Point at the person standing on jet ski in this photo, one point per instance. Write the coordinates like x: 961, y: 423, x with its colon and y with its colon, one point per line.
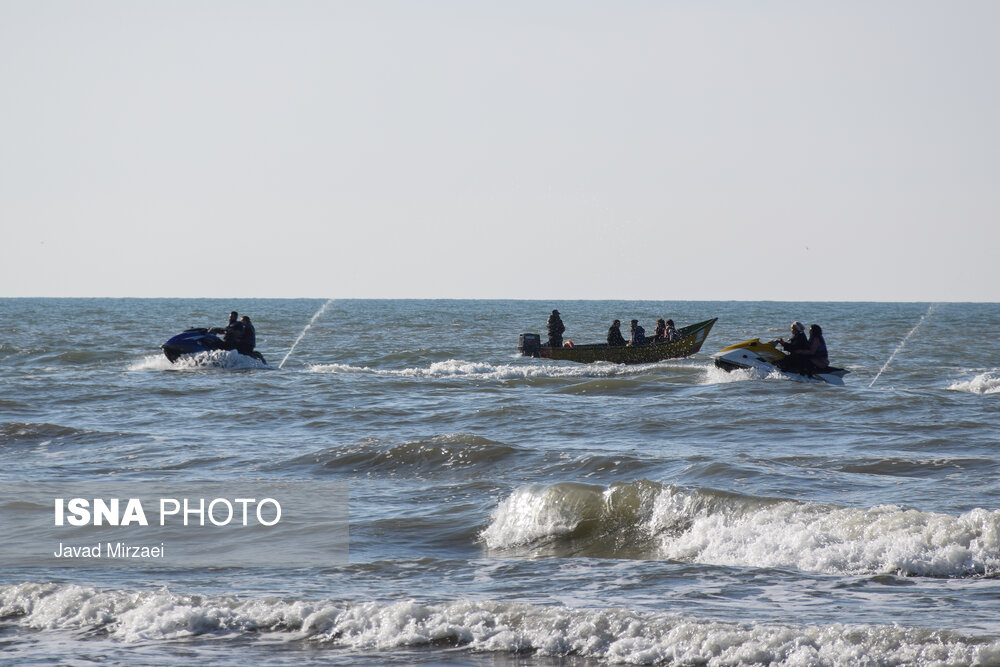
x: 798, y: 351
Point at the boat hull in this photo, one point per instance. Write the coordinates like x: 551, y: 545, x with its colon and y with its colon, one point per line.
x: 692, y: 338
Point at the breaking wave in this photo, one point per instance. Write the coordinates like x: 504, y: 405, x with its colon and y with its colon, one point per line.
x: 984, y: 383
x: 715, y: 528
x: 608, y: 635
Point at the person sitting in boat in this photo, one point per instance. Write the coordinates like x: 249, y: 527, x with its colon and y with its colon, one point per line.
x: 556, y: 329
x: 615, y: 338
x: 797, y: 348
x: 638, y: 334
x: 660, y: 333
x: 817, y: 349
x: 671, y: 333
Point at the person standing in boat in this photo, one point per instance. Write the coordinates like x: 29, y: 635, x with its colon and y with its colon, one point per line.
x: 556, y: 329
x: 638, y: 334
x: 615, y: 338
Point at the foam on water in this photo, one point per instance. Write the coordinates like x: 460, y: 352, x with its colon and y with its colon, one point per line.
x: 723, y: 529
x: 455, y: 368
x: 608, y: 635
x: 716, y: 375
x: 984, y: 383
x: 222, y: 359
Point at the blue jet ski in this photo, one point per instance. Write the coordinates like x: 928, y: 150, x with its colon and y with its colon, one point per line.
x: 194, y: 341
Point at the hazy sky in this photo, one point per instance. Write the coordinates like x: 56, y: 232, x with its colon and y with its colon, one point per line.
x: 665, y: 150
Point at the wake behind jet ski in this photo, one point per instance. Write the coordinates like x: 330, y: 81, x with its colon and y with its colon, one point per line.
x: 238, y: 335
x: 766, y: 358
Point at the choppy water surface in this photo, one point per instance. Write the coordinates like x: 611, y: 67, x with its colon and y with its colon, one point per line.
x: 511, y: 511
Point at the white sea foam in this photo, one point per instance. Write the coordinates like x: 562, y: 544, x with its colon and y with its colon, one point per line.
x: 823, y: 538
x: 716, y: 375
x: 609, y: 635
x: 719, y: 529
x: 984, y: 383
x: 455, y: 368
x: 539, y: 512
x: 223, y: 359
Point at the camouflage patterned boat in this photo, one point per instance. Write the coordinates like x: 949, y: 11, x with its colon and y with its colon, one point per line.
x: 690, y: 342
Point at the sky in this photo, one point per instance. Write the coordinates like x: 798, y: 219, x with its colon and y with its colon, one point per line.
x: 662, y: 150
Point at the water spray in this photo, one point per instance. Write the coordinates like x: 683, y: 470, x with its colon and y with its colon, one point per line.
x: 302, y: 335
x: 901, y: 345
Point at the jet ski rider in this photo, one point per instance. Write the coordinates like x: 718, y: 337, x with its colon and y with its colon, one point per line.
x: 234, y: 334
x: 818, y: 356
x: 798, y: 351
x: 249, y: 341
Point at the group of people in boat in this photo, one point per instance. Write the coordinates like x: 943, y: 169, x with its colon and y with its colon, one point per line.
x: 805, y: 355
x: 665, y: 332
x: 239, y: 335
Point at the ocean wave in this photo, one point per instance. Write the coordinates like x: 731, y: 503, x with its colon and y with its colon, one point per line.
x: 610, y: 635
x: 645, y: 519
x: 34, y: 434
x: 222, y: 359
x: 456, y: 450
x: 455, y: 368
x: 984, y: 383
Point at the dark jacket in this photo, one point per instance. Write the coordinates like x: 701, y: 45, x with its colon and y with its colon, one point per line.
x: 615, y: 338
x: 249, y: 341
x: 638, y: 336
x: 234, y: 336
x: 660, y: 334
x: 817, y: 348
x: 556, y: 329
x: 798, y: 343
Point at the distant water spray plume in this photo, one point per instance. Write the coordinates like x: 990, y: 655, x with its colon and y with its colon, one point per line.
x: 901, y: 345
x: 302, y: 335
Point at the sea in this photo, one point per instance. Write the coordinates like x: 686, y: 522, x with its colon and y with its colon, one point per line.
x: 511, y: 511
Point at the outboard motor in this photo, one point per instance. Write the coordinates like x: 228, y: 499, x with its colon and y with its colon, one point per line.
x: 529, y: 344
